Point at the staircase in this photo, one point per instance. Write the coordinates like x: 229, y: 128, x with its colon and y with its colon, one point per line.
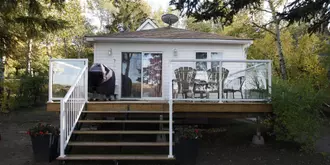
x: 120, y: 135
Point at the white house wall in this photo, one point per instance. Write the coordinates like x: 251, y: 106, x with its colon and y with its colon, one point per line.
x: 184, y: 51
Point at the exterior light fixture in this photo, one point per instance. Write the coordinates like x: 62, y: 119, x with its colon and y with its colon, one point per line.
x: 175, y: 52
x: 110, y: 52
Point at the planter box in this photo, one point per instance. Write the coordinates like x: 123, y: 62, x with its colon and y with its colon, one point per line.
x: 186, y: 151
x: 44, y: 147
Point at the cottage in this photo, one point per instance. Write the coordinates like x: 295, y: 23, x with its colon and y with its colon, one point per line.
x: 167, y: 72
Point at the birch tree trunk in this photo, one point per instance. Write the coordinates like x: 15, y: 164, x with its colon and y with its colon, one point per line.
x: 65, y: 48
x: 49, y: 51
x: 28, y: 57
x: 278, y: 40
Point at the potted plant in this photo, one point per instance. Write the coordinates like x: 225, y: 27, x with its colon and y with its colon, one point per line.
x: 44, y: 139
x: 187, y: 144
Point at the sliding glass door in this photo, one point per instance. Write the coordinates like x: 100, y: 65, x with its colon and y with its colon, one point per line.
x: 141, y: 75
x: 131, y: 75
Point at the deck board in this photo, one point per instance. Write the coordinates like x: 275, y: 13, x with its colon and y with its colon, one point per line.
x: 135, y: 132
x: 115, y: 157
x: 102, y: 144
x: 178, y: 107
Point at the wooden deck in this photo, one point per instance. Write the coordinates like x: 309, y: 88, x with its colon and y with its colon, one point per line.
x: 182, y: 109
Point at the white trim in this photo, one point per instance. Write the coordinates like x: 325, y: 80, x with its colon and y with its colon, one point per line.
x: 161, y: 40
x: 50, y: 82
x: 148, y: 21
x: 190, y: 60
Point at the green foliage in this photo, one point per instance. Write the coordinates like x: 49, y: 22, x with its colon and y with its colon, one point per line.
x: 199, y: 26
x: 315, y: 13
x: 297, y: 110
x: 129, y: 15
x: 30, y: 33
x: 301, y: 52
x: 242, y: 27
x: 24, y: 92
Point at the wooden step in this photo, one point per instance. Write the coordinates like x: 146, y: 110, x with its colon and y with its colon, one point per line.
x: 123, y: 121
x: 114, y: 157
x: 131, y: 111
x: 121, y: 132
x: 97, y: 144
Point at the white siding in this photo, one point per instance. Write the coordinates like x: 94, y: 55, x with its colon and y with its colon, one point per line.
x: 184, y: 51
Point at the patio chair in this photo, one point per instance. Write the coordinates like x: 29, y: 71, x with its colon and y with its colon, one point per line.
x: 240, y: 81
x: 213, y: 79
x: 185, y: 80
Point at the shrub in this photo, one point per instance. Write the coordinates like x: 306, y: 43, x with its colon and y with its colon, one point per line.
x: 297, y: 109
x: 24, y: 92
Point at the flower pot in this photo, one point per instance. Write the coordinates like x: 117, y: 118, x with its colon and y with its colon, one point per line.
x: 186, y: 151
x: 54, y: 149
x: 44, y: 147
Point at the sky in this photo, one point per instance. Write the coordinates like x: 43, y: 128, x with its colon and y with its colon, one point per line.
x: 156, y: 4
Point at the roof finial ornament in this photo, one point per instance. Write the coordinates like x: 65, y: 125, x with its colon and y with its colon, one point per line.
x: 169, y: 19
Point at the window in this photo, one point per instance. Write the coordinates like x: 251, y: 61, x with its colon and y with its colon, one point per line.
x: 201, y: 66
x: 215, y: 56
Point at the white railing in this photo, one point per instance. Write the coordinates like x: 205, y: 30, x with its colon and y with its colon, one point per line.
x: 73, y: 103
x: 62, y: 75
x: 203, y: 80
x: 188, y: 75
x: 170, y: 111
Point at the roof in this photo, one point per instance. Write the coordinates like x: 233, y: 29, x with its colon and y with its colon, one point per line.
x: 147, y: 22
x: 168, y: 34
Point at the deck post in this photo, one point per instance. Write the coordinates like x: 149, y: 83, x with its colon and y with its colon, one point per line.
x: 170, y: 155
x: 269, y: 79
x: 220, y: 81
x: 86, y: 81
x: 62, y: 128
x: 170, y: 111
x: 50, y: 83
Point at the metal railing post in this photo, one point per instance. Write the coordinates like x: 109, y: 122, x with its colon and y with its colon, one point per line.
x: 270, y: 79
x: 220, y: 81
x: 86, y: 82
x: 50, y: 83
x: 62, y: 128
x: 170, y: 102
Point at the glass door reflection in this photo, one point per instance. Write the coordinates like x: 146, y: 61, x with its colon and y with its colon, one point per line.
x: 131, y: 75
x: 152, y: 75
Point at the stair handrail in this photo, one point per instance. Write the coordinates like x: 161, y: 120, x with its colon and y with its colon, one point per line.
x: 71, y: 107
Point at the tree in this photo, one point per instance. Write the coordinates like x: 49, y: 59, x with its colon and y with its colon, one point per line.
x: 276, y: 21
x: 29, y: 15
x: 103, y: 10
x: 243, y: 27
x: 301, y: 51
x: 314, y: 12
x: 203, y: 26
x: 32, y: 31
x: 129, y: 15
x: 157, y: 17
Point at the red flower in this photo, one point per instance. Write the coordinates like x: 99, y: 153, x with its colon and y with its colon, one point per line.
x: 41, y: 133
x: 28, y: 132
x: 196, y: 130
